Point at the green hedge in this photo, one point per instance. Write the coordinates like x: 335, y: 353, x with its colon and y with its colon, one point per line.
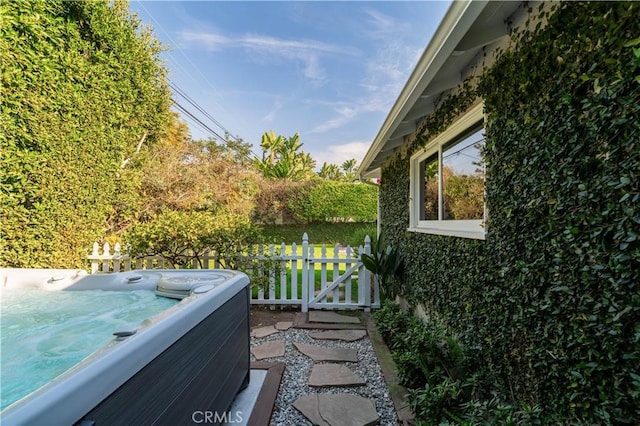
x: 81, y: 85
x: 330, y: 201
x: 315, y: 201
x: 550, y: 301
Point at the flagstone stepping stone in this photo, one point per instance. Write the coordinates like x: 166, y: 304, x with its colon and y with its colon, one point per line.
x: 283, y: 325
x: 323, y: 375
x: 346, y: 335
x: 263, y: 331
x: 320, y: 353
x: 332, y: 317
x: 272, y: 349
x: 341, y: 409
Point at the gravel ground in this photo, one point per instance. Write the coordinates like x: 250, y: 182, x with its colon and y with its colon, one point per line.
x: 298, y: 369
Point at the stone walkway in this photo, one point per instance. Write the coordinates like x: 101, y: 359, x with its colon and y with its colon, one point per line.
x: 327, y: 408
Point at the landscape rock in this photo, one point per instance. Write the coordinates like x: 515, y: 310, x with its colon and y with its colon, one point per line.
x: 323, y: 375
x: 272, y: 349
x: 346, y: 335
x: 341, y: 409
x: 320, y: 353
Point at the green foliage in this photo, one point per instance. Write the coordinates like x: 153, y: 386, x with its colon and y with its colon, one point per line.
x: 184, y: 175
x: 549, y: 302
x: 384, y: 263
x: 351, y: 233
x: 82, y: 85
x: 182, y: 237
x: 330, y: 201
x: 273, y: 199
x: 283, y: 159
x: 430, y: 362
x: 347, y: 172
x: 315, y: 201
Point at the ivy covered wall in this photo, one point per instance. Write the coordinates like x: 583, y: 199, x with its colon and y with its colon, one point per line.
x: 549, y: 303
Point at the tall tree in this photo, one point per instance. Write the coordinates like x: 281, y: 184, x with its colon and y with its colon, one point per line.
x: 350, y: 170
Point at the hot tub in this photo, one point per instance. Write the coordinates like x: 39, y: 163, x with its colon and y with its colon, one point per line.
x: 191, y: 358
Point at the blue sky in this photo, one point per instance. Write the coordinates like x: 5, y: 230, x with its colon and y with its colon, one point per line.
x: 328, y: 70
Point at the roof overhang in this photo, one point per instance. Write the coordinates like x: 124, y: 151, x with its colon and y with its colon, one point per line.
x: 467, y: 27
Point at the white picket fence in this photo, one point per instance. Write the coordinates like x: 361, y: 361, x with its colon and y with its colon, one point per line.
x: 337, y: 281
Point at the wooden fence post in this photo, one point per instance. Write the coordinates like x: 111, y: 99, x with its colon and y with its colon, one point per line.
x: 116, y: 258
x: 294, y: 271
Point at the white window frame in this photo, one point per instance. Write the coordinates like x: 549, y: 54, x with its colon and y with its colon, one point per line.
x: 455, y: 228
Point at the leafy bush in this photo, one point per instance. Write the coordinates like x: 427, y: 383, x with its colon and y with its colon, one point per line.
x: 330, y: 201
x: 182, y: 237
x: 82, y: 84
x: 272, y: 201
x: 352, y: 234
x: 442, y: 378
x: 385, y: 263
x: 549, y: 302
x: 314, y: 201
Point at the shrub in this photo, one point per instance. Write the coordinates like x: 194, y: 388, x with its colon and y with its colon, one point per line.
x: 82, y: 84
x: 315, y: 201
x: 182, y: 237
x: 444, y: 386
x: 329, y: 201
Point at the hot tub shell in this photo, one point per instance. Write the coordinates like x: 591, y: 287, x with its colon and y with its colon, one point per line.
x: 190, y: 359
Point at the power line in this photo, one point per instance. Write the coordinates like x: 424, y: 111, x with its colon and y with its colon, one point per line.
x: 188, y: 98
x: 188, y: 114
x: 197, y: 120
x: 177, y: 46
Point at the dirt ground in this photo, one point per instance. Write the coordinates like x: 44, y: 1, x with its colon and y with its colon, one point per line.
x: 263, y: 315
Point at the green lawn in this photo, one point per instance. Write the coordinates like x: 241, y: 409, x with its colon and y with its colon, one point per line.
x: 317, y: 281
x: 328, y: 234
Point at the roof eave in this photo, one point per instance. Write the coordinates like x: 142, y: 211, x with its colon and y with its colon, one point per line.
x: 459, y: 18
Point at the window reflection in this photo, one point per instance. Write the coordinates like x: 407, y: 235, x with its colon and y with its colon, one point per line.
x: 430, y: 188
x: 463, y: 179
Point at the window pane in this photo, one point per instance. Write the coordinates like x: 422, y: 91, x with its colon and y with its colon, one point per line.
x: 430, y: 188
x: 463, y: 179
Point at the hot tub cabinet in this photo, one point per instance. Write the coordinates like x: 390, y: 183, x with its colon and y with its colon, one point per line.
x: 182, y: 365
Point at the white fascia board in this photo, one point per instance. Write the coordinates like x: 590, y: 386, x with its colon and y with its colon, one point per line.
x: 454, y: 26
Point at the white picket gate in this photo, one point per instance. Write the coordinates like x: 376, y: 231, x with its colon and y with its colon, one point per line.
x: 339, y: 281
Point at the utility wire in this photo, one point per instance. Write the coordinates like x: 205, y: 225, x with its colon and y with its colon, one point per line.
x: 202, y: 125
x: 188, y: 98
x: 182, y: 93
x: 197, y: 120
x: 177, y: 46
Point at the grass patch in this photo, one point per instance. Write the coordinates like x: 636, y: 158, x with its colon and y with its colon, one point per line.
x: 319, y: 234
x: 317, y: 281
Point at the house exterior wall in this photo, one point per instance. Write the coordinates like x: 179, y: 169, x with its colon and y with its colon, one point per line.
x: 549, y: 302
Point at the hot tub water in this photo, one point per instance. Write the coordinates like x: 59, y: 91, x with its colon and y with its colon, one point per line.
x: 44, y: 333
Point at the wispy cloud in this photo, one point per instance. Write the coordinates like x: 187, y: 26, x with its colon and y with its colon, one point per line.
x: 345, y: 115
x: 307, y: 52
x: 380, y: 25
x: 339, y: 153
x: 270, y: 117
x: 385, y: 71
